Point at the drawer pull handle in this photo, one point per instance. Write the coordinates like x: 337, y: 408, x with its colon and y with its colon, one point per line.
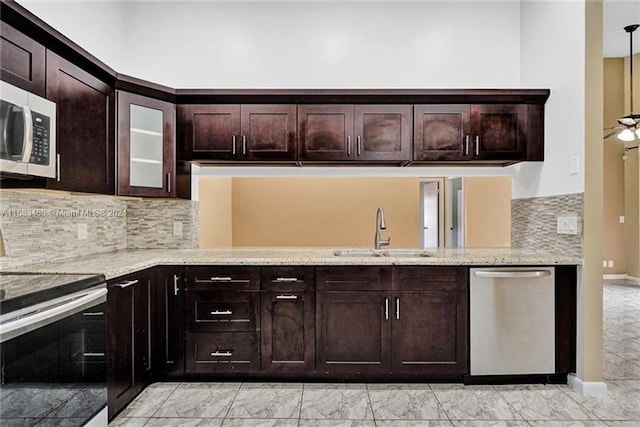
x: 127, y: 284
x: 286, y: 279
x: 221, y: 313
x: 287, y: 297
x: 93, y: 354
x: 221, y: 279
x: 222, y: 353
x: 95, y: 313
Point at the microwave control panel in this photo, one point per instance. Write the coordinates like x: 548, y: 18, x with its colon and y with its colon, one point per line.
x: 41, y: 144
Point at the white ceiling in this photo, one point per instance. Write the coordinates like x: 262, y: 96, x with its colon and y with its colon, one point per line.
x: 617, y: 14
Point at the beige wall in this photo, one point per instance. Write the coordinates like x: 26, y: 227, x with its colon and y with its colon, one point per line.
x: 335, y: 212
x: 632, y: 225
x: 487, y: 211
x: 614, y: 231
x: 215, y: 212
x: 632, y: 228
x: 589, y: 334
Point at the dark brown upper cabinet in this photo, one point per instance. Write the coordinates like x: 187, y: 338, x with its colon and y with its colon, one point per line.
x: 499, y: 132
x: 84, y: 126
x: 238, y: 132
x: 493, y: 132
x: 146, y: 146
x: 375, y: 133
x: 22, y: 60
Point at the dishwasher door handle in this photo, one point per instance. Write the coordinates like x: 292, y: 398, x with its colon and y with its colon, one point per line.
x: 520, y: 274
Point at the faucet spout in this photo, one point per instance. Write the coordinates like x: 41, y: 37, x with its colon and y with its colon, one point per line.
x: 381, y: 224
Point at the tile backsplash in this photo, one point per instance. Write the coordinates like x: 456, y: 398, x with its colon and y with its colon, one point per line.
x: 39, y: 226
x: 534, y: 223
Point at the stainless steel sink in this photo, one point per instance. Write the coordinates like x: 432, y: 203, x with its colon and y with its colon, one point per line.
x: 391, y: 253
x: 358, y: 253
x: 407, y: 253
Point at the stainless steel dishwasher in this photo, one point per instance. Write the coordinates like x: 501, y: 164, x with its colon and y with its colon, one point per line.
x: 512, y: 321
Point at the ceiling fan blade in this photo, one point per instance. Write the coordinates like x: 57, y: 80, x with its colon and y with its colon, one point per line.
x: 610, y: 134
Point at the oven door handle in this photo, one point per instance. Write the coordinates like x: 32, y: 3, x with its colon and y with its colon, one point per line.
x: 30, y: 322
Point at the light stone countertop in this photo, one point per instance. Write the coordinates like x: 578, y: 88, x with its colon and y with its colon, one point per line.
x: 115, y: 264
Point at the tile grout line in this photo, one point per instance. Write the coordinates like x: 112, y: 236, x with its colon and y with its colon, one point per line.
x: 440, y: 404
x: 587, y: 410
x: 164, y: 401
x: 301, y: 400
x: 231, y: 404
x: 373, y: 414
x: 509, y: 404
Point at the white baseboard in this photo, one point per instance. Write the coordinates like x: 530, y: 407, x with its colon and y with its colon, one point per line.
x: 633, y: 279
x: 587, y: 388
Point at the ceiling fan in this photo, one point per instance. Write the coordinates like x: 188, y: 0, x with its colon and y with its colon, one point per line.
x: 628, y: 129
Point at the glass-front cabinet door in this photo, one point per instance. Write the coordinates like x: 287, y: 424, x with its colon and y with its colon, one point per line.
x: 146, y: 146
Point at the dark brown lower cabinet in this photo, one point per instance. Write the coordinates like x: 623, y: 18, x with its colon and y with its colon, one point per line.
x: 129, y: 328
x: 223, y: 352
x: 416, y: 327
x: 169, y: 334
x: 353, y: 332
x: 429, y: 333
x: 287, y: 331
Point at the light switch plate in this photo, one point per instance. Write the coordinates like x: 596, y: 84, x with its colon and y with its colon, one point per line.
x: 574, y: 165
x: 82, y: 231
x: 621, y: 219
x: 177, y: 228
x: 567, y: 225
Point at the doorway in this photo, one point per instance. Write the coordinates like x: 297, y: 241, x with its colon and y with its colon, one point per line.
x: 432, y: 213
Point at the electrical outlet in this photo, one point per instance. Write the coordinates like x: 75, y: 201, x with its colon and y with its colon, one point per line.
x: 604, y: 263
x: 177, y: 228
x: 610, y: 263
x: 567, y: 225
x: 621, y: 219
x: 82, y: 231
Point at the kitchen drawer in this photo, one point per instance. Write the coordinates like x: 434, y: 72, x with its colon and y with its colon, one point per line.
x: 226, y: 278
x: 353, y: 278
x: 223, y: 311
x: 418, y: 278
x: 287, y: 278
x: 223, y: 352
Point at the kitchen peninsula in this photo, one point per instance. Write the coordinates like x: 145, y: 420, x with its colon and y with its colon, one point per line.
x: 306, y: 313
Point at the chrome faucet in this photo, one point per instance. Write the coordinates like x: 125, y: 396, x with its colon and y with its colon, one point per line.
x: 381, y: 224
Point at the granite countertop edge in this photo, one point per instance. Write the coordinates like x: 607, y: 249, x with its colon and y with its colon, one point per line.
x: 121, y: 263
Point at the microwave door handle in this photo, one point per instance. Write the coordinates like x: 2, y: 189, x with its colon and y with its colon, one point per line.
x: 27, y: 142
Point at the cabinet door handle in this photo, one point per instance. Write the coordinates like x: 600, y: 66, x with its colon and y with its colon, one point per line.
x: 127, y: 284
x: 175, y: 284
x: 168, y: 182
x: 93, y: 354
x: 358, y: 145
x: 222, y: 353
x: 286, y: 279
x: 386, y: 309
x: 244, y: 145
x: 397, y: 308
x: 477, y: 145
x: 221, y: 312
x: 233, y: 145
x: 221, y: 279
x: 348, y: 145
x: 94, y: 313
x: 466, y: 145
x: 58, y: 167
x: 287, y: 297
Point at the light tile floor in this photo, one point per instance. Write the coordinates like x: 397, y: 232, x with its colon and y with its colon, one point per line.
x: 429, y: 405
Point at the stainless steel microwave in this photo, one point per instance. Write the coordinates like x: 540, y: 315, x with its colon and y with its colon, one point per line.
x: 27, y: 133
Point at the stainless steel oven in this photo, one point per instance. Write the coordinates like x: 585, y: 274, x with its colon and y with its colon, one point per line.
x: 27, y: 133
x: 52, y: 343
